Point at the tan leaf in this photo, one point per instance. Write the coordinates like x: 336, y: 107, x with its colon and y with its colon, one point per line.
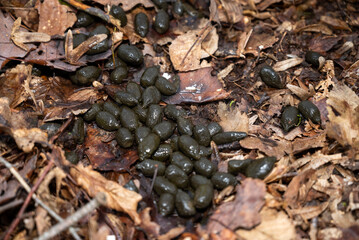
x: 127, y: 5
x: 286, y: 64
x: 344, y: 127
x: 118, y: 197
x: 275, y: 225
x: 232, y: 119
x: 55, y: 17
x: 230, y: 11
x: 26, y: 138
x: 316, y: 28
x: 186, y: 50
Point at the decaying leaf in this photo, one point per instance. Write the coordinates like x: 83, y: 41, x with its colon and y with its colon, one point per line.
x: 127, y: 5
x: 335, y: 23
x: 55, y: 17
x: 230, y: 11
x: 232, y: 119
x: 118, y: 197
x: 320, y: 28
x: 73, y: 55
x: 274, y: 225
x: 345, y: 126
x: 198, y: 86
x: 21, y: 37
x: 258, y: 42
x: 243, y: 211
x: 269, y: 146
x: 26, y: 138
x: 188, y: 49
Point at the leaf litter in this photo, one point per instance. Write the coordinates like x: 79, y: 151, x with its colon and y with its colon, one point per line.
x: 217, y: 57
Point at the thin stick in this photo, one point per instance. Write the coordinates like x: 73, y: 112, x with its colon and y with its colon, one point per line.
x: 11, y: 205
x: 37, y: 200
x: 100, y: 199
x: 27, y: 201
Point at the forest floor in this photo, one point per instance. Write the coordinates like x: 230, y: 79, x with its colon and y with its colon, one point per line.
x: 217, y: 48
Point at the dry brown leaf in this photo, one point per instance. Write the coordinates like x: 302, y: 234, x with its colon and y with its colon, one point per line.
x: 330, y: 233
x: 266, y: 3
x: 303, y: 94
x: 232, y: 119
x: 344, y: 127
x: 274, y: 225
x: 243, y: 211
x: 7, y: 48
x: 320, y: 28
x: 213, y: 12
x: 187, y: 50
x: 286, y: 64
x: 309, y: 212
x: 317, y: 160
x: 20, y: 37
x: 242, y: 42
x: 43, y: 221
x: 259, y: 42
x: 352, y: 71
x: 73, y: 55
x: 335, y: 23
x: 271, y: 147
x: 118, y: 197
x: 26, y: 138
x: 323, y: 44
x: 230, y: 11
x: 55, y: 17
x: 127, y: 5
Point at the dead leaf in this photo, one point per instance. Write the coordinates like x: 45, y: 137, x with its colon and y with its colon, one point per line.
x: 269, y: 146
x: 20, y: 37
x: 303, y: 94
x: 335, y: 23
x: 243, y: 211
x: 323, y: 44
x: 198, y: 86
x: 230, y: 11
x: 232, y: 119
x: 127, y: 5
x: 73, y: 55
x: 55, y: 17
x: 259, y: 42
x: 319, y: 28
x: 242, y: 42
x: 213, y: 12
x: 26, y: 138
x: 118, y: 197
x: 286, y: 64
x: 188, y: 49
x: 7, y: 48
x: 275, y: 225
x: 266, y: 3
x: 344, y: 127
x: 309, y: 212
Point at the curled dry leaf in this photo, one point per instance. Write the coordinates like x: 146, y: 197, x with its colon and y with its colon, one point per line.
x: 266, y: 3
x: 303, y: 94
x: 243, y: 211
x: 271, y: 147
x: 232, y: 119
x: 54, y: 17
x: 21, y: 37
x: 320, y: 28
x: 73, y: 55
x: 286, y: 64
x: 118, y: 197
x: 275, y: 225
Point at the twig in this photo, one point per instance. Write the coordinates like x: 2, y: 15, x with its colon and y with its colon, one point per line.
x: 154, y: 178
x: 10, y: 205
x: 37, y: 200
x: 90, y: 10
x: 27, y: 201
x: 100, y: 199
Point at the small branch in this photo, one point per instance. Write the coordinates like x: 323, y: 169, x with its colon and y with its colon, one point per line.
x: 100, y: 199
x: 10, y: 205
x: 37, y: 200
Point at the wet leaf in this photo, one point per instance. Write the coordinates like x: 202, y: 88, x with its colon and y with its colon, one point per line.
x: 198, y: 86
